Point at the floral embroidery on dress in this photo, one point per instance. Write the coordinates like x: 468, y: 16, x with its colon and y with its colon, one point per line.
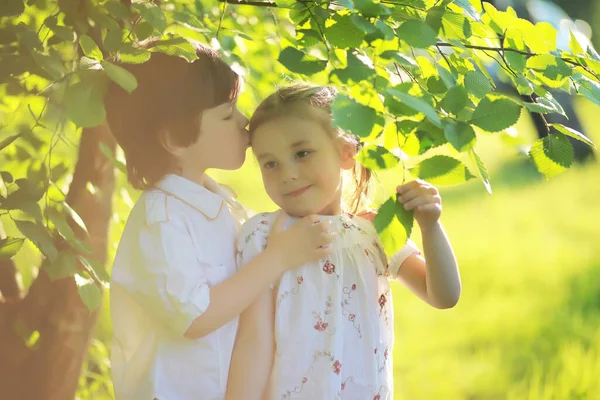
x: 289, y: 292
x: 346, y: 312
x: 329, y: 268
x: 321, y: 325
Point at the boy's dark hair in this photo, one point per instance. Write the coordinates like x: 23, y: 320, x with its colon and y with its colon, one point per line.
x: 169, y: 99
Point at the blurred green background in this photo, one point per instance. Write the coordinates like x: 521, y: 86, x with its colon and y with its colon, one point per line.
x: 528, y: 323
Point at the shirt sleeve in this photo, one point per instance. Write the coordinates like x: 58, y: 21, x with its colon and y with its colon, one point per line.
x: 400, y: 256
x: 252, y: 239
x: 174, y: 286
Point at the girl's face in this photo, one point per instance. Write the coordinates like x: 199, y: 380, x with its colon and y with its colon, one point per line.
x: 221, y: 144
x: 301, y: 165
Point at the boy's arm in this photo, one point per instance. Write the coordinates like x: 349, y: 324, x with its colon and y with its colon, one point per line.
x: 253, y: 351
x: 229, y: 298
x: 301, y: 243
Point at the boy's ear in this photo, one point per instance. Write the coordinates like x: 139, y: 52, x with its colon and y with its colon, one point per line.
x: 167, y: 144
x: 348, y: 153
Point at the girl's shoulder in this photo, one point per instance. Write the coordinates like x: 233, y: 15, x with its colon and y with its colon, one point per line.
x: 258, y: 225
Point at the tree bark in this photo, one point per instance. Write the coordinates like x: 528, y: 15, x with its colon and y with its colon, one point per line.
x: 50, y: 369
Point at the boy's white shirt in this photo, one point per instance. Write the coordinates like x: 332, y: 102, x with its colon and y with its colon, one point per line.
x: 178, y: 242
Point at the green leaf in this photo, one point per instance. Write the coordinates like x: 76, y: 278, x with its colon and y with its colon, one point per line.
x: 371, y: 9
x: 398, y: 57
x: 574, y: 134
x: 417, y: 104
x: 143, y: 30
x: 9, y: 247
x: 95, y: 268
x: 417, y: 33
x: 7, y: 177
x: 352, y: 116
x: 574, y: 45
x: 120, y: 75
x: 176, y: 46
x: 300, y: 62
x: 394, y: 225
x: 434, y: 17
x: 51, y: 64
x: 90, y: 293
x: 356, y: 70
x: 153, y: 15
x: 456, y: 26
x: 469, y: 9
x: 61, y: 224
x: 39, y: 236
x: 117, y: 9
x: 84, y: 104
x: 477, y: 84
x: 550, y: 70
x: 131, y: 55
x: 587, y: 87
x: 344, y: 34
x: 483, y: 173
x: 64, y: 266
x: 435, y: 85
x: 552, y: 154
x: 363, y: 24
x: 63, y: 32
x: 455, y: 100
x: 442, y: 170
x: 460, y: 135
x: 7, y: 142
x: 543, y: 106
x: 11, y: 8
x: 386, y: 31
x: 90, y: 48
x: 377, y: 158
x: 494, y: 114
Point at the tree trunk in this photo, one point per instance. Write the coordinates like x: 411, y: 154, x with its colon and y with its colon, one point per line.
x: 50, y: 369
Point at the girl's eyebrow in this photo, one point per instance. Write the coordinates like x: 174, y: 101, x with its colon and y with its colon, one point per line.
x: 299, y: 143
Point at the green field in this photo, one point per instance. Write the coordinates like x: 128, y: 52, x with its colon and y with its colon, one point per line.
x: 528, y: 323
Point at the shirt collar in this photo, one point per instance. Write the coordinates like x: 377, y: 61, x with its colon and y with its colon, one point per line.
x: 207, y: 199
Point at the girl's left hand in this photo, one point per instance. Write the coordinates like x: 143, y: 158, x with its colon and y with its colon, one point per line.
x: 424, y: 199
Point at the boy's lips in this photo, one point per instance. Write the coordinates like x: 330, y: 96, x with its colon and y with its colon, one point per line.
x: 299, y: 191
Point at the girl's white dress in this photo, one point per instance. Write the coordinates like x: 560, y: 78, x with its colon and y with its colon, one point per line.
x: 334, y: 324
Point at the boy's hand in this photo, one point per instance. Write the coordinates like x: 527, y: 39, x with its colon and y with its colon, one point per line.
x: 424, y: 199
x: 305, y: 241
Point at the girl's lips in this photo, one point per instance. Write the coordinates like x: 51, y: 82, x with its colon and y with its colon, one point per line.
x: 299, y: 192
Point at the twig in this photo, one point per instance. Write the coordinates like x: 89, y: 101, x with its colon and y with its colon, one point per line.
x: 250, y: 3
x: 221, y: 19
x: 320, y: 30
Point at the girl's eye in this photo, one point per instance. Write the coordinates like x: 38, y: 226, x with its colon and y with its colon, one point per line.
x: 227, y: 118
x: 303, y: 153
x: 270, y: 165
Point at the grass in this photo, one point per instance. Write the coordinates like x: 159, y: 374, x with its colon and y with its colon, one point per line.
x: 528, y: 323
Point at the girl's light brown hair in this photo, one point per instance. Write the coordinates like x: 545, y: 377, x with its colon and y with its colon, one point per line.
x: 314, y: 102
x: 169, y: 99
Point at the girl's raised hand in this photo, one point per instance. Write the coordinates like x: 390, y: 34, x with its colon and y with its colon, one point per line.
x: 424, y: 199
x: 305, y: 241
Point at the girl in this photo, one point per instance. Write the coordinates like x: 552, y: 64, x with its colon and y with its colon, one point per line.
x: 175, y: 293
x: 326, y: 331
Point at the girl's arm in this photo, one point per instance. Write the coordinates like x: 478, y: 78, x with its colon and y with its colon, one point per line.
x: 435, y: 278
x: 253, y: 351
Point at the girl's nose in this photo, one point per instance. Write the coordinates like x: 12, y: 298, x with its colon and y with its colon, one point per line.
x: 289, y: 172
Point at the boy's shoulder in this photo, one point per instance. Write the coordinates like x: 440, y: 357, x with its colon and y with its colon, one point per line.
x: 160, y: 207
